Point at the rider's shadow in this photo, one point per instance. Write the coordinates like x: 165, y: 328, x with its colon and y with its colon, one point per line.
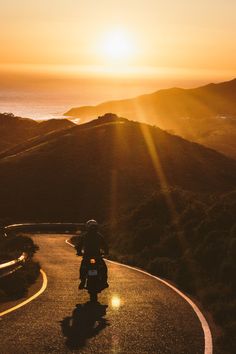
x: 87, y: 321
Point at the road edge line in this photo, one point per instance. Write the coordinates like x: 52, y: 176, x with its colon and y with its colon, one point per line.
x: 69, y: 243
x: 205, y: 327
x: 31, y: 298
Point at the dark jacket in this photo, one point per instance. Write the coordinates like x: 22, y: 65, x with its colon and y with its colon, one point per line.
x: 91, y: 242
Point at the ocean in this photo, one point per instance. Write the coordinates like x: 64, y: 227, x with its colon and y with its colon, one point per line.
x: 38, y: 109
x: 41, y: 106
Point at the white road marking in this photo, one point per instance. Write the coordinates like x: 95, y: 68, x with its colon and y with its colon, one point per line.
x: 43, y: 288
x: 206, y: 329
x: 69, y: 243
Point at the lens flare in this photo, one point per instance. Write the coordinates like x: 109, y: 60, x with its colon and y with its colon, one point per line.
x: 115, y: 302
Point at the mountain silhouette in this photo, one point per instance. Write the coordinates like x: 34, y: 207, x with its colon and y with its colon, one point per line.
x: 103, y: 168
x: 206, y: 114
x: 15, y: 130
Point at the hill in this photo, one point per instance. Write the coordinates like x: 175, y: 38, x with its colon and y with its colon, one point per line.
x: 167, y: 204
x: 15, y: 130
x: 195, y: 248
x: 206, y: 115
x: 103, y: 168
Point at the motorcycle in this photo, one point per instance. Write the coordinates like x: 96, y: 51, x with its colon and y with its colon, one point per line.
x: 94, y: 277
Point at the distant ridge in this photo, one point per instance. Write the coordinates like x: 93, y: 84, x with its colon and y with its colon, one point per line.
x: 205, y: 114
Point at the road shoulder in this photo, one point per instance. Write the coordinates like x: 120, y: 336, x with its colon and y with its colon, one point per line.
x: 32, y: 290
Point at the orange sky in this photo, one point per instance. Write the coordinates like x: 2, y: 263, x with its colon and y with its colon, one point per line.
x: 123, y: 37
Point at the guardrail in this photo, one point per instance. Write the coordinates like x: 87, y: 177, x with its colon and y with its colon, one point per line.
x: 32, y: 227
x: 11, y: 266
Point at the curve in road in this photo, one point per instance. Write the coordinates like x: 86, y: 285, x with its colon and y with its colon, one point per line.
x: 136, y: 314
x: 205, y: 327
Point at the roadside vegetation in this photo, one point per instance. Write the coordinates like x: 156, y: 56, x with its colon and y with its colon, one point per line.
x: 189, y: 239
x: 16, y: 284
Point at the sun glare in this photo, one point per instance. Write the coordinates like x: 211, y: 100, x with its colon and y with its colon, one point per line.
x: 117, y: 46
x: 115, y: 302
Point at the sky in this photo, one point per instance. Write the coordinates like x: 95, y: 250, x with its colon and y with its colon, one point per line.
x: 183, y: 34
x: 93, y: 51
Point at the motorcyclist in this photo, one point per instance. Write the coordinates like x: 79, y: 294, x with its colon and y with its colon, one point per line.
x: 91, y: 242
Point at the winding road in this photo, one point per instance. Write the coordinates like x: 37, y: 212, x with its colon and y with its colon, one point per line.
x: 137, y: 314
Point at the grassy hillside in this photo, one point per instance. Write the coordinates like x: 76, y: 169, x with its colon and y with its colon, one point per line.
x: 191, y: 241
x: 206, y: 114
x: 105, y: 167
x: 15, y: 130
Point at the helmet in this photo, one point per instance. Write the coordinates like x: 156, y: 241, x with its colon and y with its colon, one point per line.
x: 91, y: 225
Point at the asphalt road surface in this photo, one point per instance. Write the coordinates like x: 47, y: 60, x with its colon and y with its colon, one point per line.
x: 137, y: 314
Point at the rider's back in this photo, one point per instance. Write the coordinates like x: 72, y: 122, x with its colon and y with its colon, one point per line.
x: 92, y: 242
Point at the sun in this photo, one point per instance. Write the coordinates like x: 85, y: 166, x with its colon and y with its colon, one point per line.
x: 117, y: 46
